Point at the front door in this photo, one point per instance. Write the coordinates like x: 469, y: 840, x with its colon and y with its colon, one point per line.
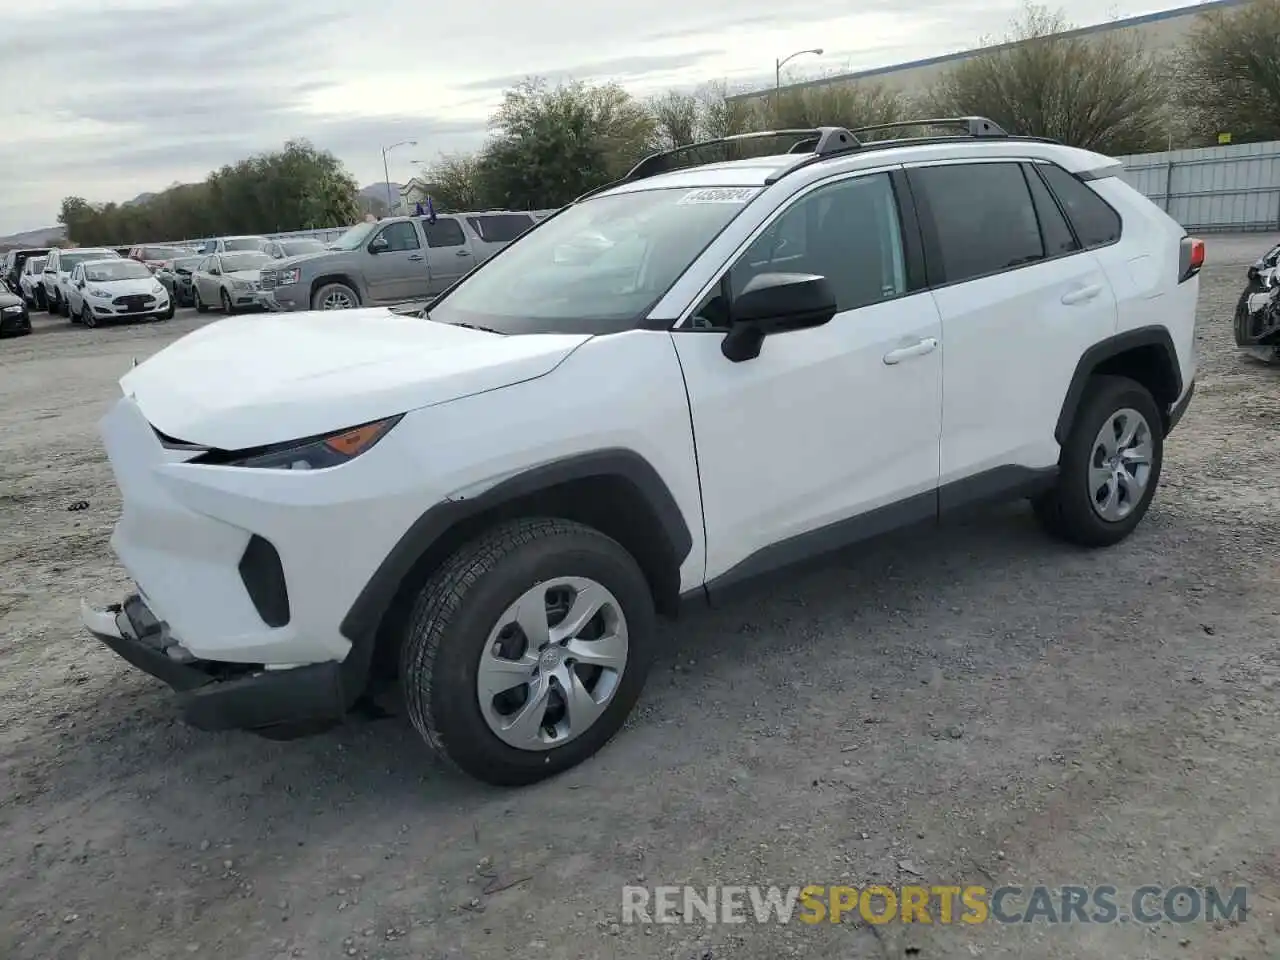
x: 800, y: 446
x: 395, y: 269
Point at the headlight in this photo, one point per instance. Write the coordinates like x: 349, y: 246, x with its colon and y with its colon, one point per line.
x: 157, y: 287
x: 313, y: 453
x: 241, y: 284
x: 289, y: 275
x: 16, y: 308
x: 101, y: 294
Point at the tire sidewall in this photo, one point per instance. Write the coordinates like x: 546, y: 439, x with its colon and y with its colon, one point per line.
x: 454, y: 706
x: 317, y: 302
x: 1111, y: 395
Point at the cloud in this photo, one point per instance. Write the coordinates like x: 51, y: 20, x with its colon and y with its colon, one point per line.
x: 113, y: 98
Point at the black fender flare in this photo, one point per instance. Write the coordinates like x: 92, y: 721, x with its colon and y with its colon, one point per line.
x: 1102, y: 351
x: 360, y: 625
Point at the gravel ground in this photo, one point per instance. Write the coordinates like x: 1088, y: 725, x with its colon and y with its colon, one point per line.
x: 972, y: 704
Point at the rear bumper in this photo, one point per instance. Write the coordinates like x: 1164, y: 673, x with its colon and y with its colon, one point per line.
x: 219, y: 696
x: 1180, y: 407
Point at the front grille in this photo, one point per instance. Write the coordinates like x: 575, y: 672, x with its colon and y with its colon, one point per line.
x: 134, y: 301
x: 269, y: 281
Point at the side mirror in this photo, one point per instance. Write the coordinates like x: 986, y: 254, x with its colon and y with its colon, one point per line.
x: 379, y: 245
x: 776, y: 303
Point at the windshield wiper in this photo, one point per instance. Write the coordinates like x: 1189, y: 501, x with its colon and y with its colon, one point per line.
x: 469, y: 326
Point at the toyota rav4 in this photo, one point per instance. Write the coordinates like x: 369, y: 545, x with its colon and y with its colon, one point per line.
x: 685, y: 380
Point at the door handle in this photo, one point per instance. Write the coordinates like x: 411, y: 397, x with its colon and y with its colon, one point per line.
x: 415, y: 256
x: 463, y: 253
x: 1082, y: 294
x: 918, y: 349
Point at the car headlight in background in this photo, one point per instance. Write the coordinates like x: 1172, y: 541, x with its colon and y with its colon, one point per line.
x: 157, y: 287
x: 100, y: 294
x: 288, y: 275
x: 15, y: 309
x: 312, y: 453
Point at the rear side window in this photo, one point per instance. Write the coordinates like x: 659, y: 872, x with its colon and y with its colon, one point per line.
x: 445, y: 232
x: 1053, y: 226
x: 500, y: 228
x: 1096, y: 223
x: 983, y: 216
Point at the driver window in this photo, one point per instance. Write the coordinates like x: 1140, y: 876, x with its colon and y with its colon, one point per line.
x: 847, y: 232
x: 400, y: 236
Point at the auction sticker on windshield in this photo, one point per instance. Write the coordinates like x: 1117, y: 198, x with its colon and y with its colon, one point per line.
x: 720, y: 195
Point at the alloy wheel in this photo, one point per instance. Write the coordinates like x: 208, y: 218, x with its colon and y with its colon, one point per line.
x: 1120, y: 464
x: 552, y: 663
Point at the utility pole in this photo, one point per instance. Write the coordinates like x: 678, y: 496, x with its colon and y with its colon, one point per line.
x: 777, y: 70
x: 386, y: 171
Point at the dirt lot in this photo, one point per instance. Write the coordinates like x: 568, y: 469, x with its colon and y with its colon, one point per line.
x: 974, y: 704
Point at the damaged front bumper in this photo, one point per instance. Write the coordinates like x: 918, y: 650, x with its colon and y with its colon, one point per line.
x: 275, y: 702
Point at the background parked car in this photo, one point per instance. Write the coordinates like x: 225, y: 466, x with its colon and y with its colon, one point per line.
x: 13, y: 264
x: 230, y: 244
x: 117, y: 288
x: 57, y: 272
x: 29, y: 286
x: 175, y: 277
x: 230, y: 281
x: 393, y: 260
x: 294, y: 247
x: 153, y: 256
x: 122, y: 251
x: 14, y: 318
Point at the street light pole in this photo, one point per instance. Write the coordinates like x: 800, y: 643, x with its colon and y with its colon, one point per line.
x: 386, y: 171
x: 779, y: 64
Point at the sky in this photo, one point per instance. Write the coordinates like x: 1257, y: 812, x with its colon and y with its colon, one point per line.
x: 112, y: 98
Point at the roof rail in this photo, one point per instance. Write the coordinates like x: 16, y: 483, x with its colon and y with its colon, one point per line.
x: 819, y: 141
x: 973, y: 126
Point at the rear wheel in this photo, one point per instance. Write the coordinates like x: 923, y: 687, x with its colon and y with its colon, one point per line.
x: 1109, y: 467
x: 527, y: 649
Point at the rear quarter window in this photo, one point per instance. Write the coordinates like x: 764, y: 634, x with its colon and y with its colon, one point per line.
x: 500, y: 228
x: 1096, y: 224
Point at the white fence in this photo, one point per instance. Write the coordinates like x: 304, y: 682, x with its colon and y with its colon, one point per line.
x: 1213, y: 189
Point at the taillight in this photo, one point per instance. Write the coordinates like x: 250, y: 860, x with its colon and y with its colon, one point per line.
x: 1190, y: 258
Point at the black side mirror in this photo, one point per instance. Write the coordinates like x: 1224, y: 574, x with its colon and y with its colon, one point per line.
x: 379, y: 245
x: 776, y: 303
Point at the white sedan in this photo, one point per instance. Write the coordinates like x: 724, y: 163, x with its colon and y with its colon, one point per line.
x: 117, y: 289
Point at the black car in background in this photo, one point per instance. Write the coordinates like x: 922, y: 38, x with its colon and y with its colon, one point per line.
x: 13, y: 263
x: 14, y: 318
x: 175, y: 276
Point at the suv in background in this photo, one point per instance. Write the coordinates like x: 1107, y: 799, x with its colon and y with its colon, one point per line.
x: 30, y: 289
x: 230, y: 244
x: 14, y: 260
x: 280, y: 248
x: 490, y: 502
x: 393, y: 260
x: 57, y: 273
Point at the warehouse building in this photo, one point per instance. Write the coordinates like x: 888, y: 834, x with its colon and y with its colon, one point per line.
x: 1159, y: 32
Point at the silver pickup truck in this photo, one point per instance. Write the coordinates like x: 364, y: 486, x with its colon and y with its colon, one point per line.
x: 394, y: 260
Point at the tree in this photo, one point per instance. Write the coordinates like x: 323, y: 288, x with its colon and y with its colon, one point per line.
x: 836, y: 105
x: 1104, y: 91
x: 1230, y: 74
x: 677, y: 118
x: 551, y: 145
x: 456, y: 180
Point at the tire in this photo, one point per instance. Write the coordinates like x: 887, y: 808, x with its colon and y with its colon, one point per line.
x: 227, y: 306
x: 87, y: 317
x: 1068, y: 511
x: 453, y: 627
x: 335, y: 293
x: 197, y: 302
x: 55, y: 304
x: 1242, y: 319
x: 168, y: 314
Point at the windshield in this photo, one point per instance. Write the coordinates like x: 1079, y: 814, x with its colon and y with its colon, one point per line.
x: 354, y: 237
x: 598, y: 267
x: 231, y: 262
x: 115, y: 270
x: 243, y: 243
x: 67, y: 261
x: 186, y: 263
x: 292, y: 248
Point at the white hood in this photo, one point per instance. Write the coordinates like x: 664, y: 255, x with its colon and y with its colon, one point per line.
x: 248, y: 381
x: 124, y: 288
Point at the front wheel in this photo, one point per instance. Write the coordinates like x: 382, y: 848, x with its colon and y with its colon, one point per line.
x: 87, y: 317
x: 227, y: 307
x: 527, y: 650
x: 335, y: 296
x: 1110, y: 465
x: 197, y: 302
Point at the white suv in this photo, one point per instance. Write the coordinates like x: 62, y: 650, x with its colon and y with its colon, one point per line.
x: 752, y: 363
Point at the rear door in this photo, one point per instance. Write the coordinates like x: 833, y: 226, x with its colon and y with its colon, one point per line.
x: 1020, y: 301
x: 450, y: 251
